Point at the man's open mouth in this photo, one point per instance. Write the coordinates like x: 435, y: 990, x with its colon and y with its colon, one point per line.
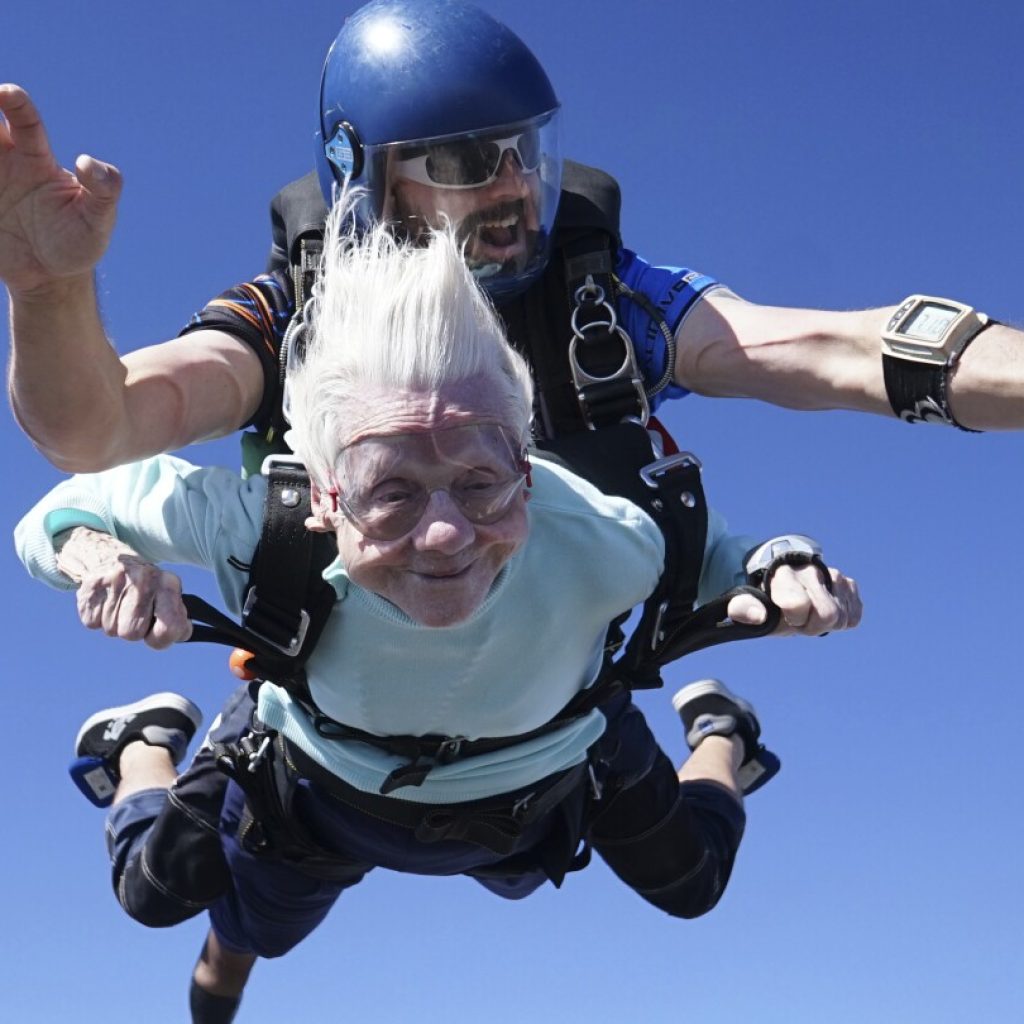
x: 495, y: 234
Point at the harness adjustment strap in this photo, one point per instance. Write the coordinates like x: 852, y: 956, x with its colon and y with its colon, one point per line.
x: 283, y: 621
x: 411, y: 774
x: 305, y: 267
x: 602, y: 360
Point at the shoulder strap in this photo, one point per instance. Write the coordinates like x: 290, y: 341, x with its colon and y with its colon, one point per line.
x: 566, y: 325
x: 287, y: 602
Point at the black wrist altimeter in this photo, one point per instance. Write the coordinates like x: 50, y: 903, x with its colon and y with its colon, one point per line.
x: 920, y: 346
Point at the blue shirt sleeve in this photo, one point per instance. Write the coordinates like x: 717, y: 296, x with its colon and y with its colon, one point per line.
x: 673, y: 291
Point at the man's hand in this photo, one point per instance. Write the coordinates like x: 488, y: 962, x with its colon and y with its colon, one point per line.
x: 121, y: 593
x: 808, y: 607
x: 54, y: 224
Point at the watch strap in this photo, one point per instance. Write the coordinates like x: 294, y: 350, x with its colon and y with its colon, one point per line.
x: 919, y: 392
x: 796, y: 559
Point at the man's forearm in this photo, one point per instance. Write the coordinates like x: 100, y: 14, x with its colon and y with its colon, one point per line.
x: 88, y: 410
x: 986, y: 390
x: 66, y: 383
x: 813, y: 359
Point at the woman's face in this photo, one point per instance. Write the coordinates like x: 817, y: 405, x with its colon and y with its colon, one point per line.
x: 442, y: 463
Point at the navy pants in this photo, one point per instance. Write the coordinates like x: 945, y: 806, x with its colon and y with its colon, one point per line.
x: 177, y: 852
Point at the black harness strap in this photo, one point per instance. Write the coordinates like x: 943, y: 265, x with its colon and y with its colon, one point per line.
x: 267, y: 768
x: 288, y: 602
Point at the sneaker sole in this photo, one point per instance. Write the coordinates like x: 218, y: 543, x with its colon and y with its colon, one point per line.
x: 707, y: 686
x: 157, y: 700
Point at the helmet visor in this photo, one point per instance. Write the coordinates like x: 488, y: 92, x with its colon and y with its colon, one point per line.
x: 499, y: 188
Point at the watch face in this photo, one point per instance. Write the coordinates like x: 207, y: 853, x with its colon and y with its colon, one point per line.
x: 929, y: 322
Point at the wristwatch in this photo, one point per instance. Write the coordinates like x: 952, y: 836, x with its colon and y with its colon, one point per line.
x: 921, y: 344
x: 762, y: 562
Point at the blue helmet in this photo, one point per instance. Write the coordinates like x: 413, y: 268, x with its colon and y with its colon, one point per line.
x: 439, y: 112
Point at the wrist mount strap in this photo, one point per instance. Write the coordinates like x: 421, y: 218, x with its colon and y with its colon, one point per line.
x: 919, y: 392
x: 762, y: 578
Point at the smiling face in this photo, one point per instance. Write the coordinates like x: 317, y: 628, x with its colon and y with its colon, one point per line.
x: 439, y: 572
x: 498, y: 221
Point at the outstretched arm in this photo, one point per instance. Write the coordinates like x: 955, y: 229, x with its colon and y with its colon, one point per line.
x: 814, y: 359
x: 160, y: 510
x: 82, y: 406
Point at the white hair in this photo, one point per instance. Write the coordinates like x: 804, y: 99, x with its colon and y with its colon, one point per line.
x: 393, y: 315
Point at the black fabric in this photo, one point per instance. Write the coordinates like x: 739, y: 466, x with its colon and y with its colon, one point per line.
x: 206, y: 1008
x: 919, y: 392
x: 180, y: 870
x: 285, y: 580
x: 271, y: 830
x: 287, y: 602
x: 296, y: 212
x: 679, y: 859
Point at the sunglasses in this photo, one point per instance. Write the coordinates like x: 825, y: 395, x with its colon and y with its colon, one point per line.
x: 470, y: 163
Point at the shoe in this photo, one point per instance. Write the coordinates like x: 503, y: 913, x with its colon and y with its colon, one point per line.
x: 162, y: 720
x: 707, y: 708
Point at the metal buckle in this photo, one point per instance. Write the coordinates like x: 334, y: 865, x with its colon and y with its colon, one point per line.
x: 448, y: 750
x: 294, y: 645
x: 592, y: 294
x: 653, y: 472
x: 280, y: 459
x: 657, y: 636
x: 289, y: 496
x: 521, y: 806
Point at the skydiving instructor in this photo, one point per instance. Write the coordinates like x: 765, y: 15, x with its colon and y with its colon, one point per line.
x: 415, y: 109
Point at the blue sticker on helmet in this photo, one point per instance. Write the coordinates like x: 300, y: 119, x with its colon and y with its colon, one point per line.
x: 341, y: 151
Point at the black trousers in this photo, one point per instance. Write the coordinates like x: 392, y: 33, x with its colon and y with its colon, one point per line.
x: 673, y: 843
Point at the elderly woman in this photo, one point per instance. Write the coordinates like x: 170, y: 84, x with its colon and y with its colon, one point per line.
x: 473, y: 597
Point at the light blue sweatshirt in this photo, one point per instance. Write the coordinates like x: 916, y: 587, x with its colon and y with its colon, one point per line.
x: 534, y: 643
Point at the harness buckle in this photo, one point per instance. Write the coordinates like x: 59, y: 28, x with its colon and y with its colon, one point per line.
x: 654, y: 472
x: 292, y: 646
x: 592, y: 296
x: 258, y: 755
x: 305, y: 269
x: 448, y: 750
x: 657, y: 633
x: 521, y: 806
x: 289, y: 493
x: 280, y: 459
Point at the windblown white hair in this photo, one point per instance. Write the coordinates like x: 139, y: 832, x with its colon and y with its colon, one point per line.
x: 392, y: 315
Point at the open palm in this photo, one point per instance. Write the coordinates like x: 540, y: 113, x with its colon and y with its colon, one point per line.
x: 53, y: 223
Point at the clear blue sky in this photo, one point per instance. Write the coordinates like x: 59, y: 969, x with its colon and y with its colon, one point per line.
x: 839, y: 156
